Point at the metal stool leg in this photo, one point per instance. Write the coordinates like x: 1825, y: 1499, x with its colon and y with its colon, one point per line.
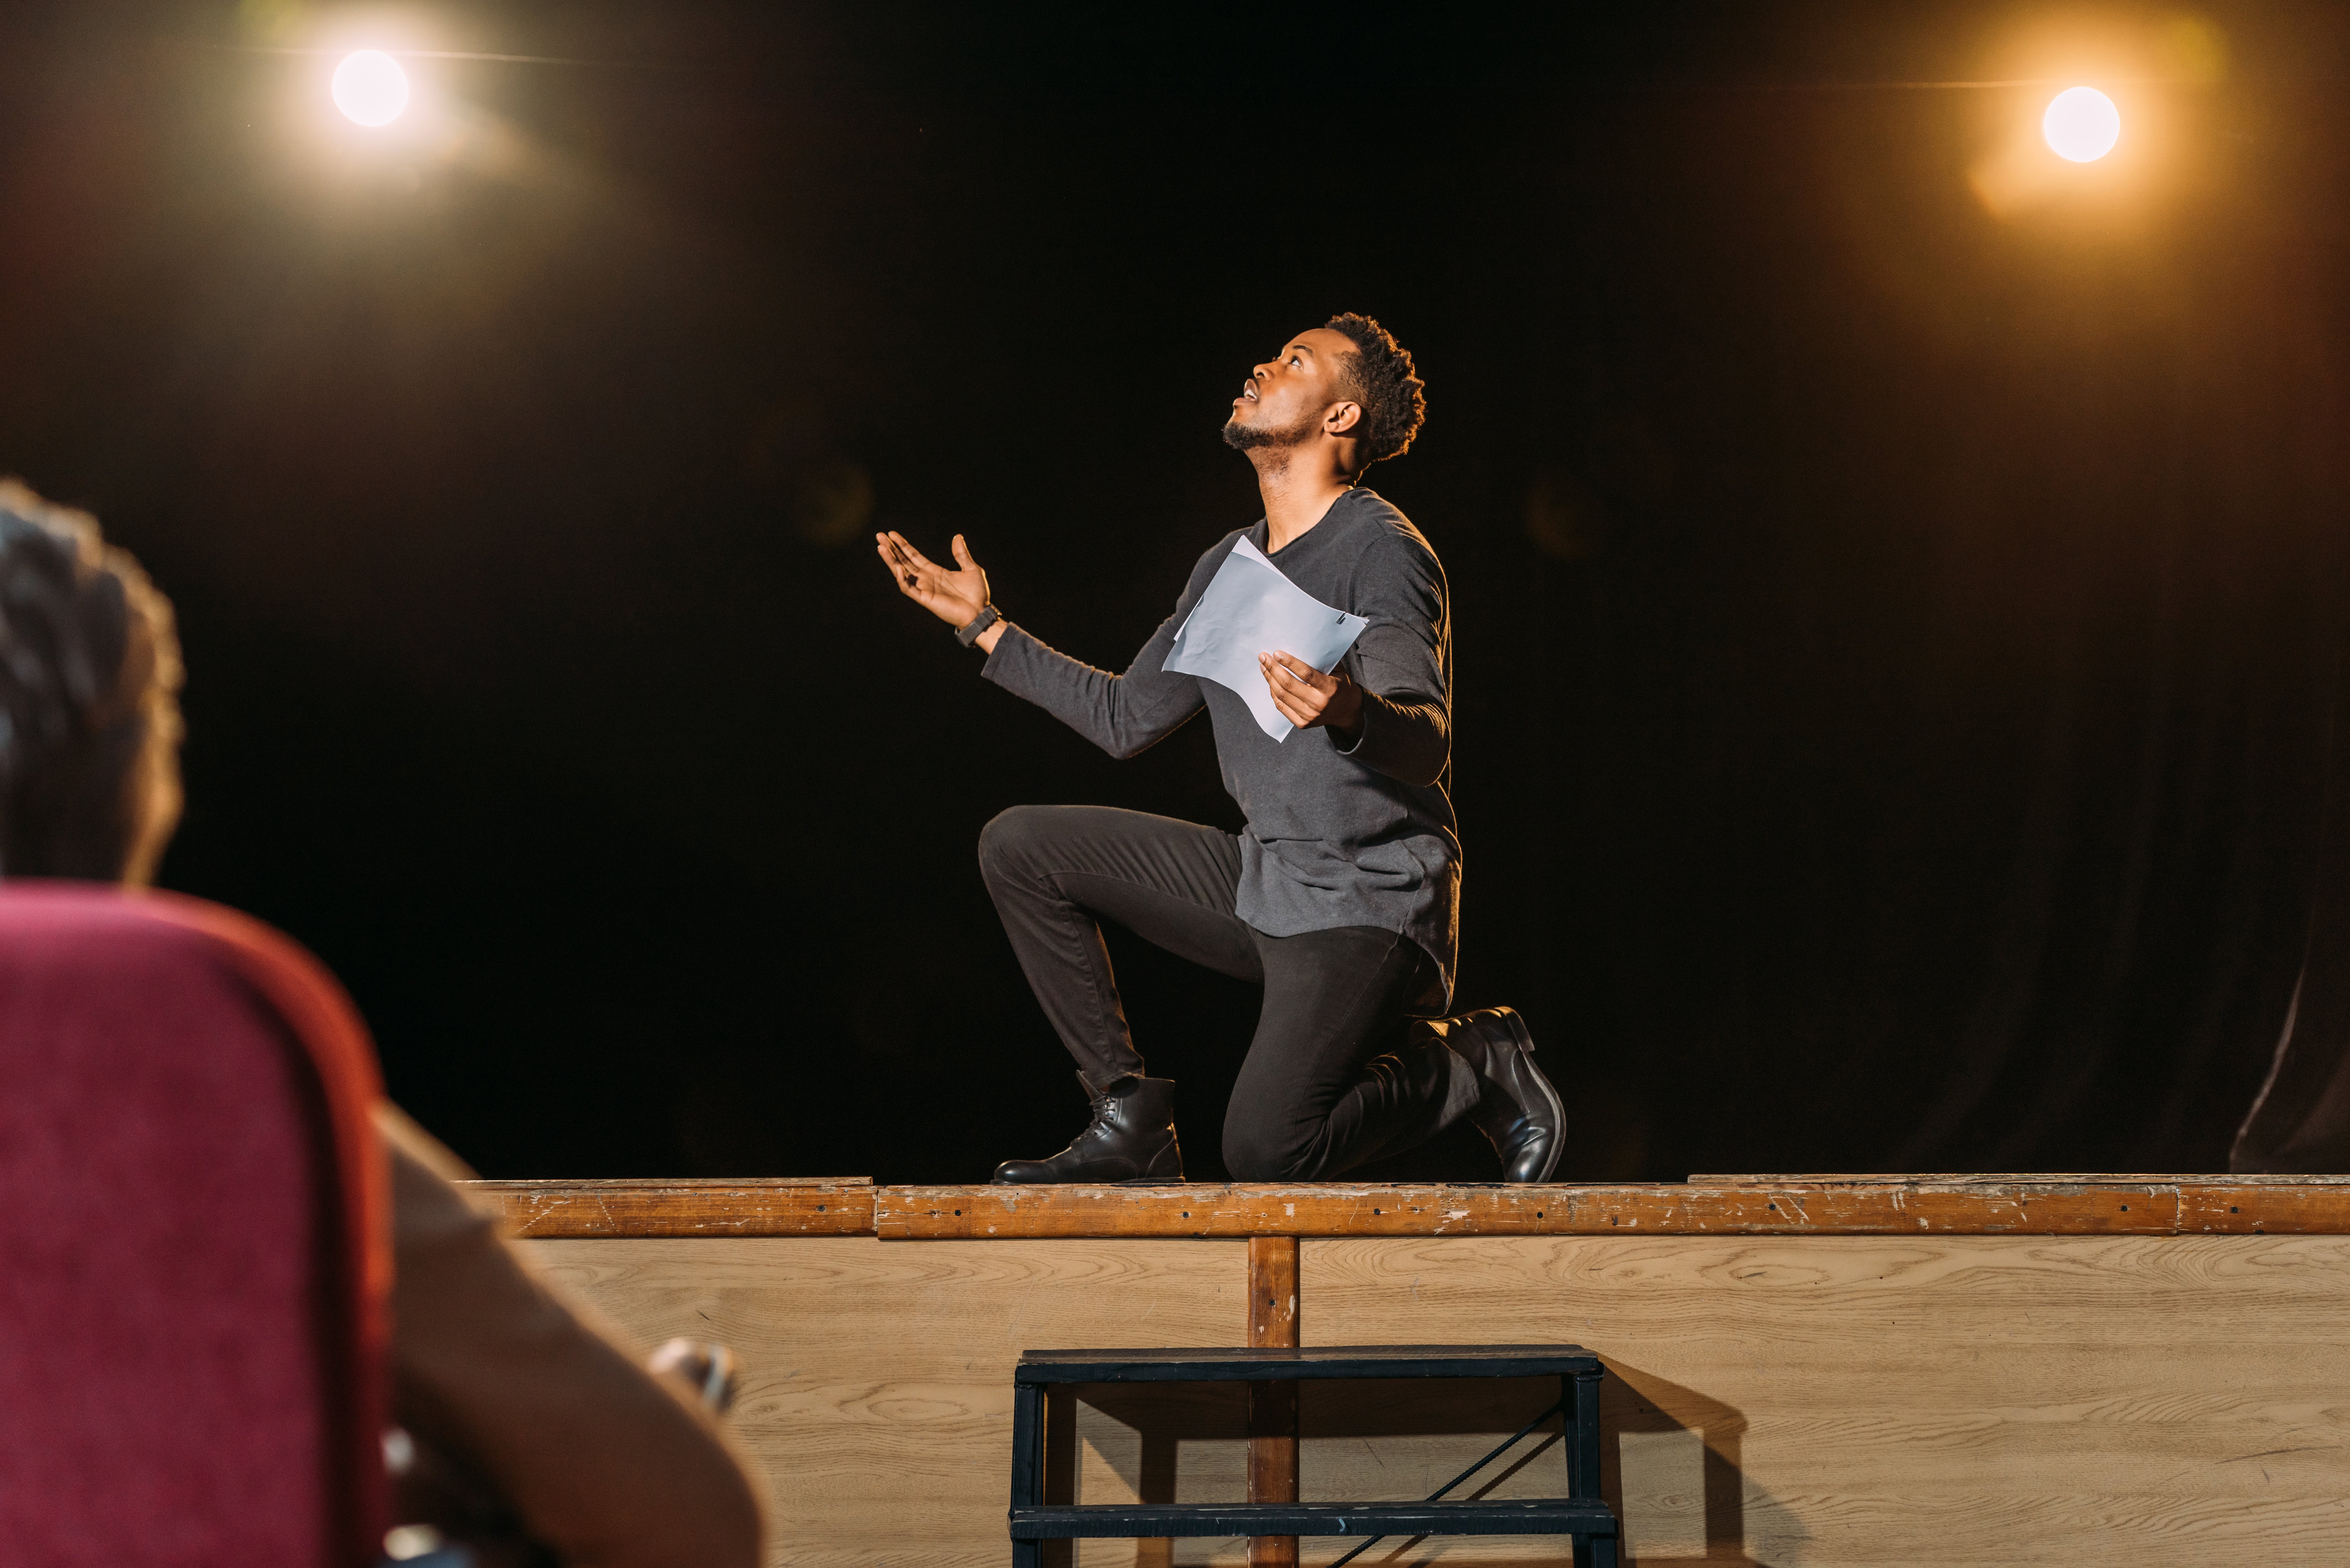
x: 1580, y: 1395
x: 1027, y: 1465
x: 1582, y: 1459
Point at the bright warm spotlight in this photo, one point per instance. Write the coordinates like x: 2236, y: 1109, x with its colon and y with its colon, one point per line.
x: 2082, y: 124
x: 371, y: 88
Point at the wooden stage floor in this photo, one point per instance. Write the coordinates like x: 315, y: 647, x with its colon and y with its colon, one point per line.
x: 1823, y: 1370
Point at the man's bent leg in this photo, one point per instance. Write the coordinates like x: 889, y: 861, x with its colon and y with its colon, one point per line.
x: 1330, y: 1080
x: 1056, y: 871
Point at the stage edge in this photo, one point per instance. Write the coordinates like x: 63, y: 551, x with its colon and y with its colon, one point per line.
x: 1748, y: 1206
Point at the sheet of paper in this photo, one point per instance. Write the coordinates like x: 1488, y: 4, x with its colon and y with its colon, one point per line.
x: 1251, y: 607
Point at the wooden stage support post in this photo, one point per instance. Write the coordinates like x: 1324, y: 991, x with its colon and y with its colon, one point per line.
x: 1272, y: 1407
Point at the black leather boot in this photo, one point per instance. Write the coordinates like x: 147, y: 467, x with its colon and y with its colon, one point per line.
x: 1131, y: 1139
x: 1517, y: 1110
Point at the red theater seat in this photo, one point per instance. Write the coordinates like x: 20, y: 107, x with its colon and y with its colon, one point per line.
x: 194, y: 1259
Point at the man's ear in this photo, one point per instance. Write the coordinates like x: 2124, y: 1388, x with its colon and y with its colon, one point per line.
x: 1342, y: 417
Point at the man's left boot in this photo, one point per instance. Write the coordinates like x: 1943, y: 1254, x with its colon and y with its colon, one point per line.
x: 1130, y: 1140
x: 1517, y: 1110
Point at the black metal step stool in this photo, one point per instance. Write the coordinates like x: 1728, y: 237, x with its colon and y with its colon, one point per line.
x: 1583, y: 1515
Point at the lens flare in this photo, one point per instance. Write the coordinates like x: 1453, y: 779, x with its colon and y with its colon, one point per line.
x: 370, y: 88
x: 2082, y: 124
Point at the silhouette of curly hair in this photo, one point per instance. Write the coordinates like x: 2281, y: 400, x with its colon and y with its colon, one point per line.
x: 89, y: 712
x: 1381, y: 378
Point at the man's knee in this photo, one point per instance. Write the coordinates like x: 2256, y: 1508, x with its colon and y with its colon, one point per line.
x: 1011, y: 837
x: 1256, y: 1150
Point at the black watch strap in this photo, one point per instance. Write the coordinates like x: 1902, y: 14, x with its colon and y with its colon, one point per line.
x: 979, y: 623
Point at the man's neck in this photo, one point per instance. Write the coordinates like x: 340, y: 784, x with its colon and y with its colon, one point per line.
x: 1297, y: 493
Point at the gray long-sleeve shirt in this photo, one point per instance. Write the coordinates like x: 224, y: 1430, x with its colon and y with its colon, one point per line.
x: 1359, y: 837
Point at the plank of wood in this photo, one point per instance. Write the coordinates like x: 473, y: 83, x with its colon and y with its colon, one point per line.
x: 1273, y: 1323
x: 789, y: 1206
x: 1337, y: 1209
x: 2296, y: 1209
x: 1956, y: 1205
x: 2012, y: 1178
x: 666, y: 1183
x: 1944, y: 1402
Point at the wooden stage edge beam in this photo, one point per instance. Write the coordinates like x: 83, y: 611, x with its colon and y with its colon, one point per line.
x: 2009, y: 1204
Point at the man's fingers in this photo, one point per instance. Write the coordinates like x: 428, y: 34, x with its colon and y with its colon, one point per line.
x: 916, y: 568
x: 962, y: 554
x: 1296, y: 702
x: 914, y: 557
x: 1300, y: 669
x: 1284, y: 681
x: 896, y: 569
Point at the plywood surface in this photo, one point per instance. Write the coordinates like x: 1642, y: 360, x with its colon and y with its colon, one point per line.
x: 1938, y: 1401
x: 877, y: 1390
x: 1934, y: 1401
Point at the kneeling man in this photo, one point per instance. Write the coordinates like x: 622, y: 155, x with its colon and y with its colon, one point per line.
x: 1341, y: 897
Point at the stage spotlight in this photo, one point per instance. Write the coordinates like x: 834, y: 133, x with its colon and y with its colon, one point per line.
x: 370, y: 88
x: 2082, y: 124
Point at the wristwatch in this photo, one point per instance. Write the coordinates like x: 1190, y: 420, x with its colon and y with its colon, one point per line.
x: 979, y: 623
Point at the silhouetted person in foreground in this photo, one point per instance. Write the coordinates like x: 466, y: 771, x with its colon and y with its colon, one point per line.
x: 546, y: 1420
x: 1341, y: 897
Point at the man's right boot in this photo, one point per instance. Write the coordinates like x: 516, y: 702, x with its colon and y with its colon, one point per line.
x: 1517, y: 1109
x: 1131, y: 1139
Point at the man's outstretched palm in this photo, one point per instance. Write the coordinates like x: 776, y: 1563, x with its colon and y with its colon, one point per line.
x: 954, y: 597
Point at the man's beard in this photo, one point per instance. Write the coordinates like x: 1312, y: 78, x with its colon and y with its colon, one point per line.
x: 1249, y: 438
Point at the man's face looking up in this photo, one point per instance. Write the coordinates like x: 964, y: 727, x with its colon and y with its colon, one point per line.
x: 1287, y: 398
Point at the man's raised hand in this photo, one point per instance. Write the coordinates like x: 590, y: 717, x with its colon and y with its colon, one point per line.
x: 954, y: 597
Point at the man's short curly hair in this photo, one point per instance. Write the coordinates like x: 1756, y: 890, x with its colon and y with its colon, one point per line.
x: 90, y: 713
x: 1381, y: 378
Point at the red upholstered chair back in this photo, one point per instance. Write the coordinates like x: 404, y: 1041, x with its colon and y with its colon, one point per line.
x: 194, y: 1258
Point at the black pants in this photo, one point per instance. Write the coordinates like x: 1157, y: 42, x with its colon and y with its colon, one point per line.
x: 1330, y: 1080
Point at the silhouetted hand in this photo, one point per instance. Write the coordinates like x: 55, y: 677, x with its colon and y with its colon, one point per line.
x: 1307, y: 697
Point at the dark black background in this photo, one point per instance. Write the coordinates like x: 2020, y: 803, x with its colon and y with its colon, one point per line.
x: 1896, y: 626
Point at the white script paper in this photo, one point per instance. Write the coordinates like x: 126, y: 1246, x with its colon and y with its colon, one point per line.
x: 1250, y: 608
